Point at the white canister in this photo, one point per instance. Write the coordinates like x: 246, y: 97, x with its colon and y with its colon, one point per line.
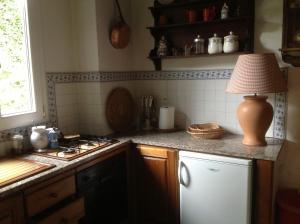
x: 215, y: 45
x: 166, y: 118
x: 231, y: 43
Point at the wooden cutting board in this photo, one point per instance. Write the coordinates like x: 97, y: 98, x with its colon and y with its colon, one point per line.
x: 120, y: 110
x: 16, y: 169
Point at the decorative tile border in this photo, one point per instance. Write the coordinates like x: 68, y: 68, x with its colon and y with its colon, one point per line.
x: 69, y: 77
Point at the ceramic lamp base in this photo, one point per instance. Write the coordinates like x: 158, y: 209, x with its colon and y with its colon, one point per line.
x: 255, y: 115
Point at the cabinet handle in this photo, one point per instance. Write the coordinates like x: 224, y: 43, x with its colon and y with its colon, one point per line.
x: 185, y: 181
x: 53, y: 195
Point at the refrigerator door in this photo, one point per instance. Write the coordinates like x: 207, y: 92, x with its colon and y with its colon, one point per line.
x: 214, y: 191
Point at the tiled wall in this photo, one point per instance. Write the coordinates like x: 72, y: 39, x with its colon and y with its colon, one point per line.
x: 77, y: 100
x: 198, y: 101
x: 81, y: 106
x: 198, y: 96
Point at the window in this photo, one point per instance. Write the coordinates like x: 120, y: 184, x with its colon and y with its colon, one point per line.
x: 19, y: 104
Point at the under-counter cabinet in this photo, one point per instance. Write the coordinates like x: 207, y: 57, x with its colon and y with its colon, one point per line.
x: 154, y: 185
x: 11, y: 210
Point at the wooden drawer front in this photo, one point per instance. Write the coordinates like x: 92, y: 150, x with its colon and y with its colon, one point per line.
x: 69, y: 214
x: 11, y: 210
x: 50, y: 195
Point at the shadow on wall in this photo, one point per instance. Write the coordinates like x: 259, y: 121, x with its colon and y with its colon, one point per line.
x: 268, y: 26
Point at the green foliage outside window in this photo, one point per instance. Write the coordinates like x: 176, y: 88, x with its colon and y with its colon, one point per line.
x: 15, y: 93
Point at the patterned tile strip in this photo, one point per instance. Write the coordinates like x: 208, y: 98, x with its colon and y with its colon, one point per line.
x: 65, y: 77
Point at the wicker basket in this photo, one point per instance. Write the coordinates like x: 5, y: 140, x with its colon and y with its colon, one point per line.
x: 206, y: 131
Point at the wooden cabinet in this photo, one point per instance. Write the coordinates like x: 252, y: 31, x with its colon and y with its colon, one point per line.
x: 11, y: 210
x: 70, y: 214
x: 291, y: 32
x: 43, y: 197
x: 155, y: 185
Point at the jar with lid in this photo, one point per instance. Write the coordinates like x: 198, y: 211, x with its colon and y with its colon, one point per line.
x: 18, y: 143
x: 199, y: 45
x: 231, y: 43
x: 215, y: 45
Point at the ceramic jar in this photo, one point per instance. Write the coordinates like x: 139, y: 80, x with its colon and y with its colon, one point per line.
x: 39, y: 138
x: 215, y: 45
x: 199, y: 45
x: 231, y: 43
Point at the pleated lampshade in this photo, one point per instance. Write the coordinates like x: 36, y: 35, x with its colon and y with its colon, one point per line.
x: 257, y: 73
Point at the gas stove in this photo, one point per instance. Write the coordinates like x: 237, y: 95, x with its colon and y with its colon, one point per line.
x: 72, y: 149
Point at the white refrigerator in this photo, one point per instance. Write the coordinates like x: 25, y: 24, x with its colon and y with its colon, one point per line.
x: 214, y: 189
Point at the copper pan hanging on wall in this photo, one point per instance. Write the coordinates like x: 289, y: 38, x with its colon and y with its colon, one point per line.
x: 120, y: 32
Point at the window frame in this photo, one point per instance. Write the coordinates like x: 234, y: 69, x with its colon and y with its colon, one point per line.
x: 38, y: 75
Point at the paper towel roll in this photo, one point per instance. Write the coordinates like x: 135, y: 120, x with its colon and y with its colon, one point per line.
x: 166, y: 118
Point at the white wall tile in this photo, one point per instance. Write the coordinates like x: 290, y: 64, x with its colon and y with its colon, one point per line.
x: 196, y: 101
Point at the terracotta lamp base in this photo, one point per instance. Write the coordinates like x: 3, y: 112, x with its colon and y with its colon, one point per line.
x: 255, y: 115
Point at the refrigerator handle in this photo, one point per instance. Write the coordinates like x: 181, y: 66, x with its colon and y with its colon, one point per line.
x: 183, y: 174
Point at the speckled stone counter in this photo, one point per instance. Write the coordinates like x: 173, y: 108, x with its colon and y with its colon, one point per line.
x: 60, y: 167
x: 229, y: 145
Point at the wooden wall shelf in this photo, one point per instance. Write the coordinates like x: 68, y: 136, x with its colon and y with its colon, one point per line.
x: 179, y: 32
x: 157, y: 60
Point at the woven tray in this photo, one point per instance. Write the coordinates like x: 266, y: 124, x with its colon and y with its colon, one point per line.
x: 205, y: 128
x: 206, y: 131
x: 214, y: 135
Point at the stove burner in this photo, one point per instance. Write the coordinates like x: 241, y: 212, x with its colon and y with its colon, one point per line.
x: 88, y: 143
x: 68, y: 150
x: 75, y: 148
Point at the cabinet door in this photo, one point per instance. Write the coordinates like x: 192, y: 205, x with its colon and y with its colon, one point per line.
x: 11, y: 210
x: 156, y: 189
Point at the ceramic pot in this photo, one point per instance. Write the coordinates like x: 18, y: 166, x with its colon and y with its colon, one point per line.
x: 255, y: 115
x: 39, y: 137
x: 209, y: 13
x: 191, y: 16
x: 231, y: 43
x: 215, y: 45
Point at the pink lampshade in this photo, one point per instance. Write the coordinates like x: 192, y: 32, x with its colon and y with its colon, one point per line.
x: 256, y: 73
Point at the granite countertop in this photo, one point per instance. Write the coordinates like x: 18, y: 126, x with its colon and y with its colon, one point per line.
x: 60, y: 167
x: 230, y: 145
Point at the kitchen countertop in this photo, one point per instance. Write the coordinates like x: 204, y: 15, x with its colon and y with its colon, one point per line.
x: 230, y: 145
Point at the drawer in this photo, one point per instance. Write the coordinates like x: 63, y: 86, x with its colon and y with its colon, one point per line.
x: 69, y: 214
x: 45, y: 197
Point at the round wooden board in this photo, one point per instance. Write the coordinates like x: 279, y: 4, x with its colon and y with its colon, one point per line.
x: 120, y: 110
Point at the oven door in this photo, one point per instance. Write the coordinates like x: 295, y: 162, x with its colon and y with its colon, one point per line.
x: 104, y: 188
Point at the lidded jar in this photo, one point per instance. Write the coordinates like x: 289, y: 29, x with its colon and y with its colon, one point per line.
x: 231, y: 43
x: 215, y: 45
x: 199, y: 45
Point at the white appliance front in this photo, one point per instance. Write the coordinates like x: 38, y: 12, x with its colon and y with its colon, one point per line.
x: 214, y: 189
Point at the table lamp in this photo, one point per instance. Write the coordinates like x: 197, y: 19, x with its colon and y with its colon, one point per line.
x: 256, y: 74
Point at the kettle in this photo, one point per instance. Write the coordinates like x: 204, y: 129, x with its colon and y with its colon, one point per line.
x: 39, y: 138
